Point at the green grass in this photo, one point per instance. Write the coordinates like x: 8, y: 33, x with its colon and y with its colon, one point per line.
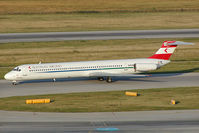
x: 114, y: 101
x: 185, y: 58
x: 97, y: 21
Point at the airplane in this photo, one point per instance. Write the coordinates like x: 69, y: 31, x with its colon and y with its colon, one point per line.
x: 101, y: 69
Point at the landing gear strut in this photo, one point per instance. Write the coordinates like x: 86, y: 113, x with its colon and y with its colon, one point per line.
x: 109, y: 80
x: 54, y: 80
x: 14, y: 82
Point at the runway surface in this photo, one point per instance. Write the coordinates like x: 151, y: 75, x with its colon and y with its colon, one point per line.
x: 98, y: 35
x: 92, y: 85
x: 184, y: 121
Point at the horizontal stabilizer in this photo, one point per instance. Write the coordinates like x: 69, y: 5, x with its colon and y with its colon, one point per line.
x: 180, y: 43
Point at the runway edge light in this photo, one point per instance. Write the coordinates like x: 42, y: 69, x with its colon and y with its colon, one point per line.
x: 128, y: 93
x: 35, y: 101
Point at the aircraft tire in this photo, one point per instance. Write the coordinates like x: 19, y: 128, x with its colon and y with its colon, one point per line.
x: 101, y: 78
x: 14, y: 83
x: 109, y: 80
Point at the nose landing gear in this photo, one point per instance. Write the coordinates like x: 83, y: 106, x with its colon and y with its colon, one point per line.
x: 14, y: 82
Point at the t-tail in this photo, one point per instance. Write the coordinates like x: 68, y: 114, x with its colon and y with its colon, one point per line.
x: 167, y: 49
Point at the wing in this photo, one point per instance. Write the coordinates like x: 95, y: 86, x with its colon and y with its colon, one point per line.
x: 102, y: 74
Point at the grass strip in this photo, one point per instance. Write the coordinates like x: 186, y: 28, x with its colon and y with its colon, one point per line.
x: 96, y: 21
x: 114, y: 101
x: 94, y: 6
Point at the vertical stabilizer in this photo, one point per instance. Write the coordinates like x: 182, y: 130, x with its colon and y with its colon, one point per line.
x: 165, y: 52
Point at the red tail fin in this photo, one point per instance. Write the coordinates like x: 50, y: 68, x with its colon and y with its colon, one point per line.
x: 167, y: 49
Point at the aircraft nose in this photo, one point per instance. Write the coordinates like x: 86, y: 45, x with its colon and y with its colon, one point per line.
x: 7, y: 76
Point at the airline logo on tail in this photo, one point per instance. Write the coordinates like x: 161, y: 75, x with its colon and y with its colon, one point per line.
x: 167, y: 49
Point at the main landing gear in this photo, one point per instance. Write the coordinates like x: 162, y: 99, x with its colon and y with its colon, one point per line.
x: 100, y: 78
x: 108, y: 79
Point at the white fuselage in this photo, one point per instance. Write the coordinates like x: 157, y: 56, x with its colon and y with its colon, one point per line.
x: 82, y: 69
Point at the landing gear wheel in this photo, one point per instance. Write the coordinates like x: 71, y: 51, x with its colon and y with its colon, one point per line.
x: 109, y: 79
x: 14, y: 82
x: 100, y: 78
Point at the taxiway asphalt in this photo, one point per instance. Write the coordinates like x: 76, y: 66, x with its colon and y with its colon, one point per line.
x: 98, y: 35
x: 92, y: 85
x: 176, y: 121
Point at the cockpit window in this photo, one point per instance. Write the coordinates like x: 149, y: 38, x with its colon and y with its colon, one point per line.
x: 17, y: 69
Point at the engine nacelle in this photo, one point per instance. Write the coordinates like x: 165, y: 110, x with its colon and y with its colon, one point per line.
x: 143, y: 67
